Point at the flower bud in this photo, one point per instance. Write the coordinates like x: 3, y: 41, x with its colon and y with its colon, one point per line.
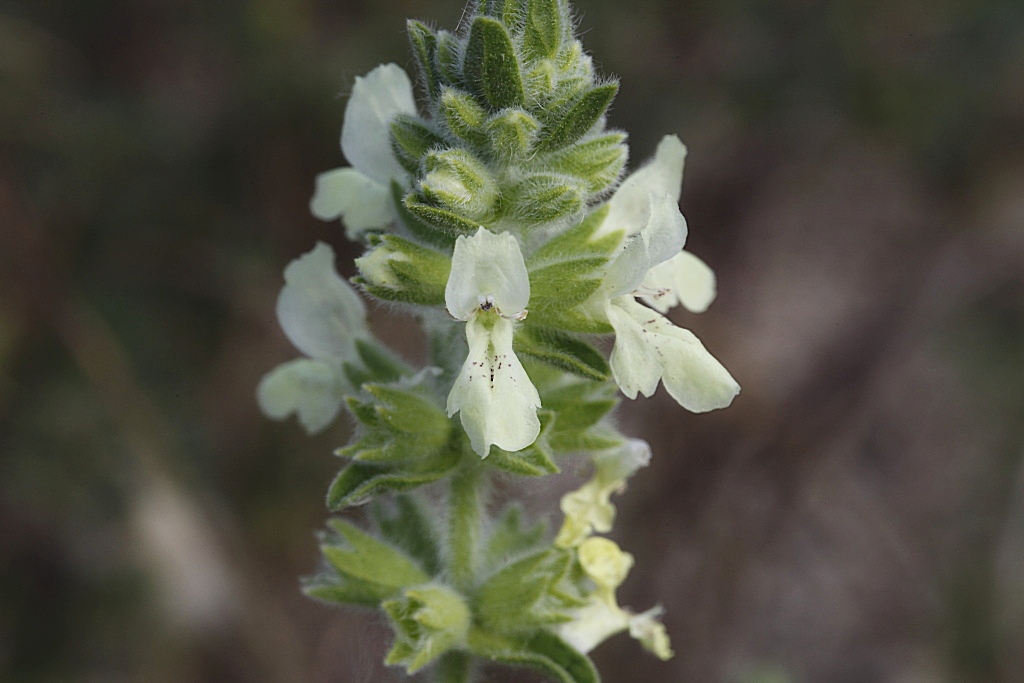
x: 428, y: 621
x: 464, y: 115
x: 397, y: 269
x: 457, y: 180
x: 511, y: 133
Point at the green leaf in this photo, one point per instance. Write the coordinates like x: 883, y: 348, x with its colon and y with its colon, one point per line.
x: 509, y: 537
x: 411, y: 138
x: 577, y: 666
x: 491, y: 67
x: 464, y: 115
x: 408, y: 526
x: 428, y: 621
x: 580, y: 118
x: 525, y: 594
x: 598, y: 161
x: 420, y: 229
x: 441, y: 219
x: 546, y: 197
x: 346, y: 591
x: 511, y: 133
x: 359, y: 482
x: 424, y: 47
x: 412, y: 412
x: 543, y: 651
x: 533, y: 461
x: 359, y: 555
x: 512, y: 12
x: 446, y: 58
x: 563, y: 351
x: 577, y: 242
x: 565, y: 284
x: 458, y: 180
x: 546, y: 22
x: 508, y: 11
x: 382, y: 365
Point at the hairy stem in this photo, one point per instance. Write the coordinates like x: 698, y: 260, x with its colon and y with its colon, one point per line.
x: 455, y: 667
x: 464, y: 523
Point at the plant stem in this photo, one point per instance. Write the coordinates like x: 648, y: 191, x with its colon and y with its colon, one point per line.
x: 455, y: 667
x: 464, y: 524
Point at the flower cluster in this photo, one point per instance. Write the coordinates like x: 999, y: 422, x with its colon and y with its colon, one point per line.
x: 496, y: 211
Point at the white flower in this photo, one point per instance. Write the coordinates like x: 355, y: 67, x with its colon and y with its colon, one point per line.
x: 683, y: 279
x: 607, y: 566
x: 322, y: 316
x: 489, y: 287
x: 648, y: 348
x: 361, y: 195
x: 588, y: 508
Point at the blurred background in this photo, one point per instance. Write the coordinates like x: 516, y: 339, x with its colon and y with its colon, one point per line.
x: 856, y: 179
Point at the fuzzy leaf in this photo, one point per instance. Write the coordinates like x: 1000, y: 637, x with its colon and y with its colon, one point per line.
x: 447, y: 58
x: 417, y: 227
x: 524, y: 594
x: 580, y: 118
x: 546, y: 21
x: 346, y: 590
x: 563, y: 351
x: 599, y: 161
x: 491, y: 66
x: 359, y: 482
x: 565, y: 284
x: 545, y: 198
x: 411, y: 412
x: 424, y: 47
x: 440, y: 219
x: 544, y: 651
x: 511, y: 133
x: 464, y: 115
x: 577, y: 243
x: 411, y: 138
x: 382, y: 365
x: 533, y: 461
x: 408, y: 526
x: 361, y: 556
x: 509, y: 537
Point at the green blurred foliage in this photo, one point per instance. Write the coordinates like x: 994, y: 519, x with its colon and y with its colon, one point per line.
x: 854, y: 179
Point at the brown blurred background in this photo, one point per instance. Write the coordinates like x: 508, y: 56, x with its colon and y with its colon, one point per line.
x: 856, y: 178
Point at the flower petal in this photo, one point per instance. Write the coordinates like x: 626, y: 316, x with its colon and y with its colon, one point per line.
x: 635, y: 363
x: 320, y: 313
x: 361, y: 202
x: 311, y: 389
x: 648, y: 347
x: 487, y: 270
x: 662, y: 175
x: 376, y: 99
x: 683, y: 279
x: 589, y: 509
x: 497, y: 400
x: 661, y: 237
x: 651, y: 633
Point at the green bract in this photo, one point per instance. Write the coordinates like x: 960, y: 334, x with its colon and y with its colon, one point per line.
x: 495, y: 213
